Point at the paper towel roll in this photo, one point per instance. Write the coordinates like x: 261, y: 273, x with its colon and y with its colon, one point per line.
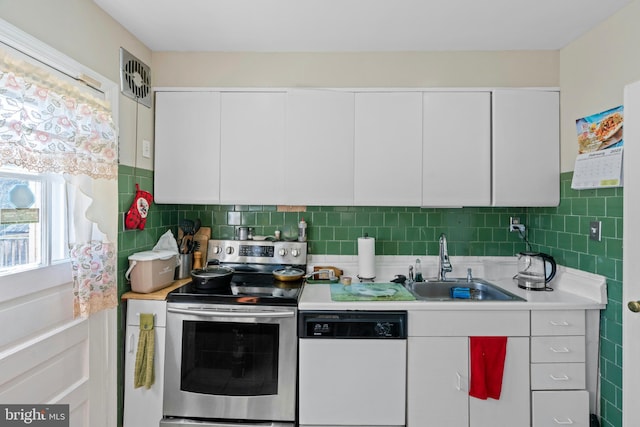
x: 366, y: 257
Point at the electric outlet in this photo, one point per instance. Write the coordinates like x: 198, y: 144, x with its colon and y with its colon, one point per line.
x: 146, y: 149
x: 595, y: 230
x: 515, y: 225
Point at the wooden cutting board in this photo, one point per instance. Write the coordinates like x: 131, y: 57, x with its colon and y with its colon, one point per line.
x: 203, y: 235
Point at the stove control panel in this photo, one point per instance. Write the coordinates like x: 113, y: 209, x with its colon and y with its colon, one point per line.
x: 257, y: 252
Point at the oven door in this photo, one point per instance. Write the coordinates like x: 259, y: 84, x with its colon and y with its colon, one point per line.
x: 230, y: 362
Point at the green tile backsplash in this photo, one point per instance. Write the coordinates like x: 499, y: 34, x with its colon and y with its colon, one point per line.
x: 560, y: 231
x: 563, y: 232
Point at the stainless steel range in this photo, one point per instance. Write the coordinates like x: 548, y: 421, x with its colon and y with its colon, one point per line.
x: 231, y: 353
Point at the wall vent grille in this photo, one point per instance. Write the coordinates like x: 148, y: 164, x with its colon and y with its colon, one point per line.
x: 135, y: 78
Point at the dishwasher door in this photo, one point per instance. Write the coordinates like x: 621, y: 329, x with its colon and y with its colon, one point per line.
x: 352, y: 382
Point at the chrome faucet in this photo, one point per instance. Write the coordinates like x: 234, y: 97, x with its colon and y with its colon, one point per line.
x: 444, y: 266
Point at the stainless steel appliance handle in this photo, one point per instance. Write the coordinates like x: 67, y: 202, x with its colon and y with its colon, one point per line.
x: 211, y: 313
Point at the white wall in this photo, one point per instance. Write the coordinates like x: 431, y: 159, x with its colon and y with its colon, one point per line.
x: 593, y: 72
x: 357, y: 69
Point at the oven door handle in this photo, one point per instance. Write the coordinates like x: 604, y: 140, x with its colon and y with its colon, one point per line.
x: 210, y: 313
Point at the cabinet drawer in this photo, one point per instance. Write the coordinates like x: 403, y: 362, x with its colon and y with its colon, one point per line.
x: 558, y: 376
x: 468, y: 323
x: 137, y: 306
x: 555, y: 322
x: 559, y: 408
x: 557, y: 349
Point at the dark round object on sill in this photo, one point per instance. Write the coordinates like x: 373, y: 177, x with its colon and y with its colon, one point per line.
x: 212, y: 278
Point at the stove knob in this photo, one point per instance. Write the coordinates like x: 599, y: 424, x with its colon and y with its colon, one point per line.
x: 216, y: 249
x: 229, y: 250
x: 282, y: 252
x: 295, y: 252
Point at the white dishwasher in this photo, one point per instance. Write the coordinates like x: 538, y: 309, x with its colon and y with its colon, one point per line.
x: 352, y: 368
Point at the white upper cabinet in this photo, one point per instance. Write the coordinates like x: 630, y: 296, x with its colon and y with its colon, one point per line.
x: 526, y: 148
x: 318, y: 156
x: 369, y: 148
x: 456, y: 159
x: 388, y: 149
x: 252, y: 147
x: 187, y: 147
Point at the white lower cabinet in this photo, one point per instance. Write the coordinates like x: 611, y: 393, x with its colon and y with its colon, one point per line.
x: 438, y: 385
x: 558, y: 369
x: 560, y: 408
x: 438, y: 372
x: 437, y: 382
x: 142, y: 406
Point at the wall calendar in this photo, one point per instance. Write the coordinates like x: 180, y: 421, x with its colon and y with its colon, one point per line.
x: 600, y: 150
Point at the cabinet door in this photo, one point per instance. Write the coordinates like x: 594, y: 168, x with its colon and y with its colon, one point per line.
x: 187, y: 147
x: 388, y: 149
x: 526, y: 148
x: 456, y: 157
x: 318, y: 157
x: 512, y: 409
x: 142, y: 406
x: 252, y: 141
x: 437, y: 382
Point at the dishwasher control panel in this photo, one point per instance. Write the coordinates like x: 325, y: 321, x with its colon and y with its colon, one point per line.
x: 353, y: 324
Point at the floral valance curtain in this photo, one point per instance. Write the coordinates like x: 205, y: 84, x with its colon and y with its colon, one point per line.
x: 49, y: 125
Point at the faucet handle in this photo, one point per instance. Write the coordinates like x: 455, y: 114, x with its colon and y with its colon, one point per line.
x: 469, y: 275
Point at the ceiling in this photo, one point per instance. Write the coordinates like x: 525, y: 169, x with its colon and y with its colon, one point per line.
x: 358, y: 25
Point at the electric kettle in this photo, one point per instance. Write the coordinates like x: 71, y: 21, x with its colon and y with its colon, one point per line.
x: 535, y: 270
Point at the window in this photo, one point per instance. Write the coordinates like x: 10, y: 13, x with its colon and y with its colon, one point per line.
x: 33, y: 229
x: 56, y: 229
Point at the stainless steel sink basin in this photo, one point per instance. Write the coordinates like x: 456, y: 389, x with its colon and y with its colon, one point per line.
x: 474, y: 290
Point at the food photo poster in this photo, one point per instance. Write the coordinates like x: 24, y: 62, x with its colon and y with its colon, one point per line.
x: 600, y: 150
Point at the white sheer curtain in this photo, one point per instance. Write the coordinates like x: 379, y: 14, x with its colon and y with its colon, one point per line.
x: 48, y: 125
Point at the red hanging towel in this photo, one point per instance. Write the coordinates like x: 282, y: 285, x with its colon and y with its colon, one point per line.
x: 487, y: 366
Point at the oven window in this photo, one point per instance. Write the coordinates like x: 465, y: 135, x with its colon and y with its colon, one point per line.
x: 230, y: 359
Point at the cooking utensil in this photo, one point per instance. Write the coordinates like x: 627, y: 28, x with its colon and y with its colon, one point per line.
x: 535, y: 270
x: 187, y: 226
x: 288, y: 274
x: 212, y: 277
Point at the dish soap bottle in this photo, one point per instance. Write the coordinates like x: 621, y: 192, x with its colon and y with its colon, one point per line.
x: 302, y: 231
x: 419, y: 277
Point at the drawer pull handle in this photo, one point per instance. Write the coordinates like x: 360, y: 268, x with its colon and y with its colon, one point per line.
x: 458, y: 381
x: 562, y: 378
x: 568, y: 422
x: 560, y: 350
x: 556, y: 323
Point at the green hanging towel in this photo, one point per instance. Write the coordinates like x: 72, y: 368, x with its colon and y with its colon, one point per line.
x: 143, y: 374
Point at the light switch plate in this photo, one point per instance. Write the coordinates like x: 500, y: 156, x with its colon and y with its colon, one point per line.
x: 146, y: 149
x: 595, y: 230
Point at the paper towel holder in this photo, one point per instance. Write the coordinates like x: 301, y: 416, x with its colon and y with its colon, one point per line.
x: 366, y: 279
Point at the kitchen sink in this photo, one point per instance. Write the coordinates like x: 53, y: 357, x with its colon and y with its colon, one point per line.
x: 460, y: 290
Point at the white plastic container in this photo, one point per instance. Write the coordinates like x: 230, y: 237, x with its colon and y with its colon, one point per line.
x: 302, y: 231
x: 151, y: 270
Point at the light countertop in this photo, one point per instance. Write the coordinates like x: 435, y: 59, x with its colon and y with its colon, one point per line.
x: 573, y: 289
x: 159, y: 295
